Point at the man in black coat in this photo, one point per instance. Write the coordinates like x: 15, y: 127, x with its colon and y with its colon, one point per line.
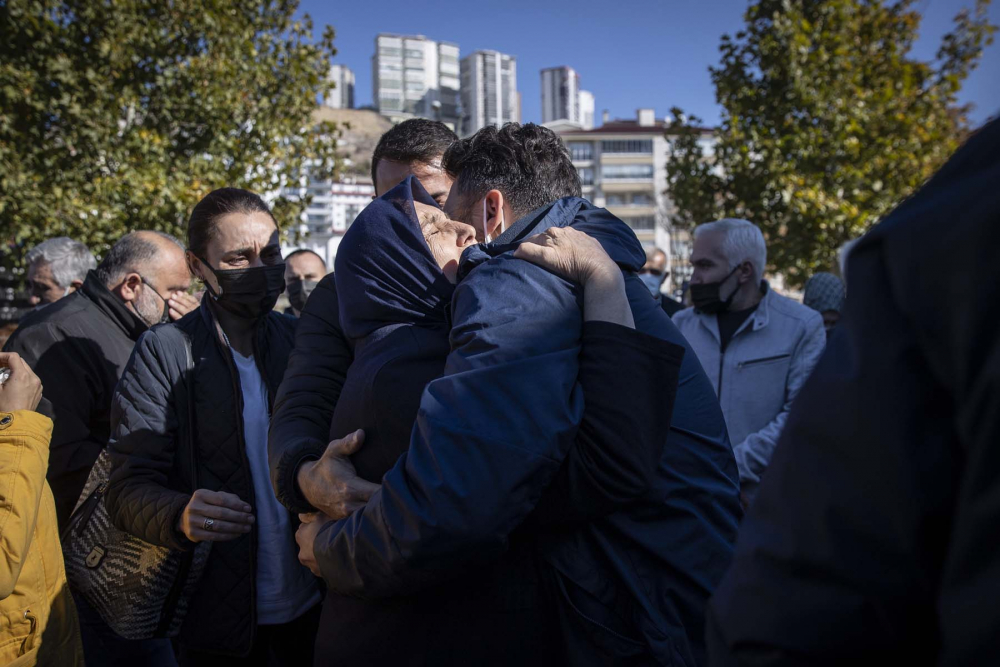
x: 872, y: 539
x: 78, y: 346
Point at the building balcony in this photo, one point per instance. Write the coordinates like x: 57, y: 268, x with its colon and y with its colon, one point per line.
x: 624, y: 185
x: 626, y: 158
x: 630, y: 209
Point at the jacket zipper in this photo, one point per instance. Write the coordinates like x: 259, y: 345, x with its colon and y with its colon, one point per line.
x: 29, y: 642
x: 234, y: 374
x: 753, y: 362
x: 92, y: 503
x: 722, y: 359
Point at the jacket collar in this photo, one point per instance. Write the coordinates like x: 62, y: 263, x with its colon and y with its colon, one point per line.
x: 762, y: 315
x: 130, y: 323
x: 207, y: 313
x: 617, y: 238
x: 757, y: 321
x: 477, y: 254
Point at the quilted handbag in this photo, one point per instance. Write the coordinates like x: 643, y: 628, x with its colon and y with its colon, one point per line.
x: 140, y: 590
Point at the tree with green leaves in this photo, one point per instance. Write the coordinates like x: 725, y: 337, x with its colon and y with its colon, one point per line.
x: 828, y: 122
x: 118, y: 115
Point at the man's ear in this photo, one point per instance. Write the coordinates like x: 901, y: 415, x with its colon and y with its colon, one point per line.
x: 128, y: 289
x: 495, y: 213
x: 75, y: 285
x: 745, y: 274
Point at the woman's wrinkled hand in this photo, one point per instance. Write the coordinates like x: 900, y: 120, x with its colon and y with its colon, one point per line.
x: 568, y: 253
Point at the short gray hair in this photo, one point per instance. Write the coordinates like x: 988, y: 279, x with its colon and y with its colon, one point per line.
x: 129, y: 254
x: 69, y: 260
x: 742, y: 242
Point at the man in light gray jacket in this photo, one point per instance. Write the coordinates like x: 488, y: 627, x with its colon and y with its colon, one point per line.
x: 756, y: 346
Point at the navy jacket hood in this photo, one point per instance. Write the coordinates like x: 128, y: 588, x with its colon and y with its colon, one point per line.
x: 385, y: 272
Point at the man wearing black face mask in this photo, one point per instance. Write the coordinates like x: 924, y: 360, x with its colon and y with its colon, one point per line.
x: 757, y: 347
x: 303, y: 271
x: 195, y: 399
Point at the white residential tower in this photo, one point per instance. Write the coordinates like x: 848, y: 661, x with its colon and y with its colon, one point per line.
x: 489, y: 91
x: 342, y: 95
x: 413, y: 76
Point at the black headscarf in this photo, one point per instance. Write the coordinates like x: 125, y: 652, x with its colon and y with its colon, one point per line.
x: 385, y: 272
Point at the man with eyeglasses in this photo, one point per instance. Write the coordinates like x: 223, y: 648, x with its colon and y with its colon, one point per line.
x: 653, y: 275
x: 79, y: 344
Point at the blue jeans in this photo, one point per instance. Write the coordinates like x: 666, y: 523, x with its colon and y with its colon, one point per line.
x: 103, y: 648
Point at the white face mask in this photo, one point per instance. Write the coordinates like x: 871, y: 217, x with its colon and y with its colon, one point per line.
x: 503, y: 225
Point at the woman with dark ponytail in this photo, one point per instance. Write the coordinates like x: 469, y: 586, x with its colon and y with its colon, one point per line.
x: 189, y: 445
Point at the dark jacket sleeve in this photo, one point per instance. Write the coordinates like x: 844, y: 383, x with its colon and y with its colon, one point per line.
x: 308, y: 395
x: 488, y: 439
x: 869, y: 540
x: 144, y: 434
x: 73, y: 393
x: 629, y: 382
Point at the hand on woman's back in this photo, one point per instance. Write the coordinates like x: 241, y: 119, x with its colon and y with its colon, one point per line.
x: 568, y: 253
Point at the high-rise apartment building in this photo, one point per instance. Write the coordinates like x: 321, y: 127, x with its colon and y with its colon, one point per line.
x: 342, y: 95
x: 587, y: 109
x: 489, y: 91
x: 413, y: 76
x: 622, y: 167
x: 560, y: 95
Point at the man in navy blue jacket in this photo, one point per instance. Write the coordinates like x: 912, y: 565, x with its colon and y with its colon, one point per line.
x: 491, y: 433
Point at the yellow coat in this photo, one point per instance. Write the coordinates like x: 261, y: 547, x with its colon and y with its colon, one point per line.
x: 38, y: 623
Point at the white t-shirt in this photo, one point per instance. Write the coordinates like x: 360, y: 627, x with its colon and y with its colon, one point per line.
x: 285, y: 589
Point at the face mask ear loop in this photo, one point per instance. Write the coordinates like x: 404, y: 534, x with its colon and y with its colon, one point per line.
x: 486, y: 233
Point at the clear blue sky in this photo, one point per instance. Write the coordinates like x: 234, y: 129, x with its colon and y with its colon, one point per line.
x: 629, y: 53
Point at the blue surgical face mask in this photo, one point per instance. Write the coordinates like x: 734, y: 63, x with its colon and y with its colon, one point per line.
x: 651, y: 282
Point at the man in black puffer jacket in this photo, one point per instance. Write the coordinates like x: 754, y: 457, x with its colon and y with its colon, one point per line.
x: 152, y: 483
x: 189, y: 438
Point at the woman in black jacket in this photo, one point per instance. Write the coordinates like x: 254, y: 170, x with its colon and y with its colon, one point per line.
x: 189, y: 445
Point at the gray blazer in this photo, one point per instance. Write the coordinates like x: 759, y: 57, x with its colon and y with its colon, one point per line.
x: 766, y: 363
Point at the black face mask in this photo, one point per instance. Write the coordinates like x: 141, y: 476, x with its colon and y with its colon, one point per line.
x: 706, y: 297
x: 248, y: 293
x: 299, y: 291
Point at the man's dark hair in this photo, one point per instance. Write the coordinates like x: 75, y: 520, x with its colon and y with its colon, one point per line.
x: 527, y: 163
x: 414, y: 140
x: 131, y: 252
x: 214, y: 205
x: 305, y: 251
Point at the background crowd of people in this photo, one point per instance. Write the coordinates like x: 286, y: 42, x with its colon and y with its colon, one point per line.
x: 486, y: 436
